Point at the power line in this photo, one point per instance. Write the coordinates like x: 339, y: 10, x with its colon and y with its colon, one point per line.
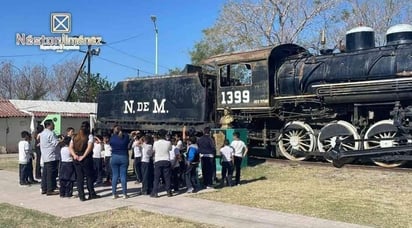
x: 64, y: 57
x: 130, y: 55
x: 23, y: 55
x: 134, y: 56
x: 126, y: 39
x: 123, y: 65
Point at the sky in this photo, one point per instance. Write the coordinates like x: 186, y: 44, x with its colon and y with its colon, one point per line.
x: 125, y: 26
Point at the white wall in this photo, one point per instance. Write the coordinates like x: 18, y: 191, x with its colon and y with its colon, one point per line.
x: 9, y: 141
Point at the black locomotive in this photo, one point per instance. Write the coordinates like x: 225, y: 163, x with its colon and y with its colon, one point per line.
x: 346, y: 103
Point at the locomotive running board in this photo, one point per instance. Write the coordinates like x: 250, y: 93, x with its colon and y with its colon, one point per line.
x: 341, y: 157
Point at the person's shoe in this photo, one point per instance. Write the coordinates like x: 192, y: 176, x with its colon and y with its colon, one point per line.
x: 190, y: 190
x: 169, y: 193
x: 209, y: 187
x: 124, y: 196
x: 94, y: 196
x: 24, y: 184
x: 154, y: 195
x: 82, y: 198
x: 114, y: 196
x: 52, y: 193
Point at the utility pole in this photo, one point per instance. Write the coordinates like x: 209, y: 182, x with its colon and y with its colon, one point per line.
x: 153, y: 17
x: 89, y: 58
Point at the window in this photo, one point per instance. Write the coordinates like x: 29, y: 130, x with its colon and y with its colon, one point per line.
x: 236, y: 75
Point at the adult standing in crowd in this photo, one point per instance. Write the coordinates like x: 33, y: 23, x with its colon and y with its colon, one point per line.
x: 37, y: 172
x: 207, y: 150
x: 240, y: 152
x: 120, y: 159
x: 161, y: 148
x: 49, y: 146
x: 81, y: 147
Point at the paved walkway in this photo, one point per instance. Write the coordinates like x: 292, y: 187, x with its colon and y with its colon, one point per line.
x: 199, y: 210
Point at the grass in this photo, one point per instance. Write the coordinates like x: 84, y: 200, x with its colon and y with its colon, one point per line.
x: 379, y: 198
x: 368, y: 197
x: 12, y: 216
x: 9, y: 163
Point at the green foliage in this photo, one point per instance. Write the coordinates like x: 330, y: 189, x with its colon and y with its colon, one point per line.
x: 87, y: 89
x: 175, y: 71
x: 207, y: 47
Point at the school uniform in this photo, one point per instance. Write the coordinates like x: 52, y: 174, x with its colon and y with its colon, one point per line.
x: 161, y: 150
x: 24, y: 154
x: 191, y: 167
x: 67, y: 174
x: 137, y: 164
x: 107, y: 165
x: 147, y: 169
x: 239, y: 147
x: 227, y: 153
x: 174, y: 167
x: 97, y: 162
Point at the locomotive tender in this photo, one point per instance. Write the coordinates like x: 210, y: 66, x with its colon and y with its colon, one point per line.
x: 291, y: 101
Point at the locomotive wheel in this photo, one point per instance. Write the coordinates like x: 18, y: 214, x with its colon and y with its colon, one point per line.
x: 340, y: 132
x: 381, y: 135
x: 296, y: 141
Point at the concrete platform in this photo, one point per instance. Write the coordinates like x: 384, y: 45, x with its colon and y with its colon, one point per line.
x: 199, y: 210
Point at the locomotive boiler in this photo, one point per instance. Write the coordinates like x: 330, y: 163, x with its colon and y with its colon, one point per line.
x: 294, y: 103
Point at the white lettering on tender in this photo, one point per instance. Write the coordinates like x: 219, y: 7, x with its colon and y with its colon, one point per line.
x: 144, y: 106
x: 159, y: 108
x: 128, y: 106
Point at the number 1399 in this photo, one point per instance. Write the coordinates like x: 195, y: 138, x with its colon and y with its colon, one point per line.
x: 236, y: 97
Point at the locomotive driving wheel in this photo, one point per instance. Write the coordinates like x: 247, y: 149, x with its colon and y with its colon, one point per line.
x: 339, y: 134
x: 382, y: 134
x: 296, y: 141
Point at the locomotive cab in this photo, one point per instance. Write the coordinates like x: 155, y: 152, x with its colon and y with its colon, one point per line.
x: 243, y: 80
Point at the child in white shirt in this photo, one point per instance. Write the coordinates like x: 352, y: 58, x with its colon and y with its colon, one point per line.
x: 25, y: 154
x: 227, y: 153
x: 67, y: 173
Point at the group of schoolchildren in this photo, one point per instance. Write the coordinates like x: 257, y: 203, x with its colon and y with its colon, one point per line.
x: 184, y: 157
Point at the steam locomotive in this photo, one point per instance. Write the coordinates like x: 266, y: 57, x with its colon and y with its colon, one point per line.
x: 294, y: 103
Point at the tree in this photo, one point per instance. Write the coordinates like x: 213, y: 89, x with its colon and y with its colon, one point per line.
x: 247, y: 24
x: 87, y: 91
x: 6, y: 80
x: 377, y: 14
x: 175, y: 71
x: 64, y: 75
x: 35, y: 82
x: 210, y: 45
x: 27, y: 83
x: 32, y: 83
